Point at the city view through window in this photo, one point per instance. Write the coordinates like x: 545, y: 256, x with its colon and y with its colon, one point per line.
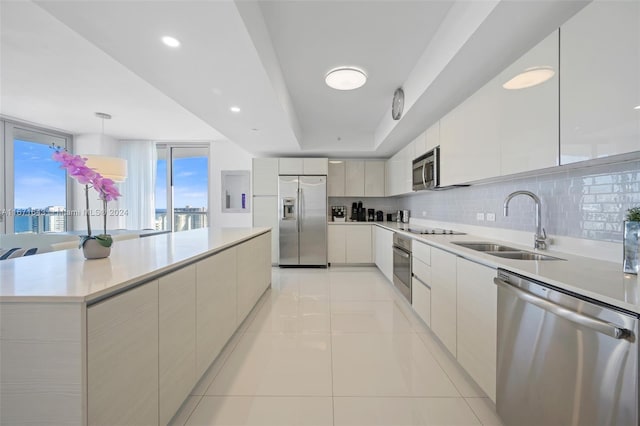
x: 40, y: 191
x: 190, y: 190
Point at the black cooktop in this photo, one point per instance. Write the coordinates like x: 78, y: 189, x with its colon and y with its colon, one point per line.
x: 434, y: 231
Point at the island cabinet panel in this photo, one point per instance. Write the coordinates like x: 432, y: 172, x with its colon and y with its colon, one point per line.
x: 177, y: 339
x: 215, y: 306
x: 254, y: 273
x: 34, y: 389
x: 122, y: 358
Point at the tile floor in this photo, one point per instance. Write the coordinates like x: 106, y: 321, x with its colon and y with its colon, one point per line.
x: 334, y: 346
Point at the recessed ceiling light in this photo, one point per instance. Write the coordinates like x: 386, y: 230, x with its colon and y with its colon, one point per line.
x: 335, y: 161
x: 529, y: 78
x: 234, y: 109
x: 170, y: 41
x: 345, y: 78
x: 636, y: 107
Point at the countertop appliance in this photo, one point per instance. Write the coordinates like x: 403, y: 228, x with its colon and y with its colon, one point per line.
x: 354, y: 211
x: 303, y: 220
x: 563, y: 359
x: 402, y: 216
x: 379, y: 216
x: 371, y: 215
x: 402, y: 264
x: 338, y: 213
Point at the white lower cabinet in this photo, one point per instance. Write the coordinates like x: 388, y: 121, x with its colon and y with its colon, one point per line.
x: 383, y: 242
x: 443, y: 297
x: 350, y: 244
x: 177, y: 339
x: 215, y: 306
x: 359, y: 244
x: 122, y: 358
x: 421, y: 292
x: 477, y: 323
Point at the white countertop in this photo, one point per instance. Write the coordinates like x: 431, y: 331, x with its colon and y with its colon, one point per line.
x: 597, y: 279
x: 65, y: 276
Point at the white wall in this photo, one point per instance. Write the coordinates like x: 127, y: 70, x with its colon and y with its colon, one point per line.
x: 100, y: 145
x: 226, y: 155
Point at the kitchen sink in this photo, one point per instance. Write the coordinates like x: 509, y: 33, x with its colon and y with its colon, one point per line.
x: 503, y: 251
x: 524, y: 255
x: 483, y: 246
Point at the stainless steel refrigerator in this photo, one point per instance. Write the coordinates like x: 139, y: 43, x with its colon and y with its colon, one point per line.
x: 303, y: 220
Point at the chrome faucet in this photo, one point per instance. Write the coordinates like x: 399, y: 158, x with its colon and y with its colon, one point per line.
x: 540, y: 238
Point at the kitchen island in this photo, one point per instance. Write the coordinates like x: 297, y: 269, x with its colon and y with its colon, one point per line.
x: 123, y: 340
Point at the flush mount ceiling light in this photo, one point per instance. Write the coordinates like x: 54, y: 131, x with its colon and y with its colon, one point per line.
x: 345, y: 78
x: 170, y: 41
x: 234, y: 109
x: 529, y: 78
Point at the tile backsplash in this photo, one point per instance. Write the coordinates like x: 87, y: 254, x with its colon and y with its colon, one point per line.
x: 588, y: 203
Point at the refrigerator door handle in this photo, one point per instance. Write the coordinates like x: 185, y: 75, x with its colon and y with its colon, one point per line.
x: 301, y: 200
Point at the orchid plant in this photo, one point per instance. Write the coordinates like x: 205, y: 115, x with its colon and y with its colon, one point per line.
x: 76, y: 167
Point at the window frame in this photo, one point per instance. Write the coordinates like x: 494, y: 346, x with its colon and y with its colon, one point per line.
x: 9, y: 128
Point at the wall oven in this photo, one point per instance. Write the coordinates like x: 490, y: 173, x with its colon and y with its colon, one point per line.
x: 426, y: 170
x: 402, y: 264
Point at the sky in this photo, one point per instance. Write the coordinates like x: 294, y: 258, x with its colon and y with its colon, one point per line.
x: 190, y: 182
x: 39, y: 181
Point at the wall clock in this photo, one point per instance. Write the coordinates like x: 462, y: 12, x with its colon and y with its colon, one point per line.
x: 397, y: 104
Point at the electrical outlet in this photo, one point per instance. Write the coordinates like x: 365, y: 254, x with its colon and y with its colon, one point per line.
x: 479, y: 216
x: 424, y: 213
x: 491, y: 217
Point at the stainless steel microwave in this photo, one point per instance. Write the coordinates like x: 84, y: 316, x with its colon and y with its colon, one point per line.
x: 426, y: 170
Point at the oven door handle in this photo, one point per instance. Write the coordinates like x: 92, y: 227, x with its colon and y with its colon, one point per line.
x: 595, y: 324
x: 403, y: 254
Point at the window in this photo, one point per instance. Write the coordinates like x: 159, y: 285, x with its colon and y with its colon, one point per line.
x: 35, y: 191
x: 182, y: 187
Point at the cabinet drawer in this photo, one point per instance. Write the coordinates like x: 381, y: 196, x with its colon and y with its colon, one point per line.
x: 422, y: 271
x: 422, y: 251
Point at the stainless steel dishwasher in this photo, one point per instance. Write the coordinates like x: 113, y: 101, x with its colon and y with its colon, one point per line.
x: 563, y: 359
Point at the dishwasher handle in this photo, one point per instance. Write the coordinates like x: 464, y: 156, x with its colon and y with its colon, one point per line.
x: 603, y: 327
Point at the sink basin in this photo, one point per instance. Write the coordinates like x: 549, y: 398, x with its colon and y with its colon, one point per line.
x: 524, y: 255
x: 484, y: 246
x: 503, y: 251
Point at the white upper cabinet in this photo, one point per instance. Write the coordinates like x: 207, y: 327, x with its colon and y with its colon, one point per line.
x: 600, y: 90
x: 356, y: 178
x: 265, y: 176
x: 420, y: 144
x: 354, y: 184
x: 336, y: 178
x: 315, y: 166
x: 374, y: 178
x: 291, y: 166
x: 499, y: 131
x: 303, y: 166
x: 431, y: 139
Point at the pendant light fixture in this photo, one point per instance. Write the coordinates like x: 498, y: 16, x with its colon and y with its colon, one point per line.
x: 113, y: 168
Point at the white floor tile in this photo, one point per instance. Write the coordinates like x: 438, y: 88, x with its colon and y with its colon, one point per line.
x: 402, y: 412
x: 293, y: 316
x: 368, y: 317
x: 254, y: 411
x: 277, y: 364
x: 485, y: 410
x: 363, y: 286
x: 465, y: 385
x: 181, y: 417
x: 386, y: 365
x: 205, y: 381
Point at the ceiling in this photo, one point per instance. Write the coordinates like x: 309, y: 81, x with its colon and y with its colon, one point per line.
x: 64, y: 60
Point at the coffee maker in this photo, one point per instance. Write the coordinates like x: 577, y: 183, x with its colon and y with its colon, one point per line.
x: 371, y: 215
x: 354, y: 212
x: 362, y: 213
